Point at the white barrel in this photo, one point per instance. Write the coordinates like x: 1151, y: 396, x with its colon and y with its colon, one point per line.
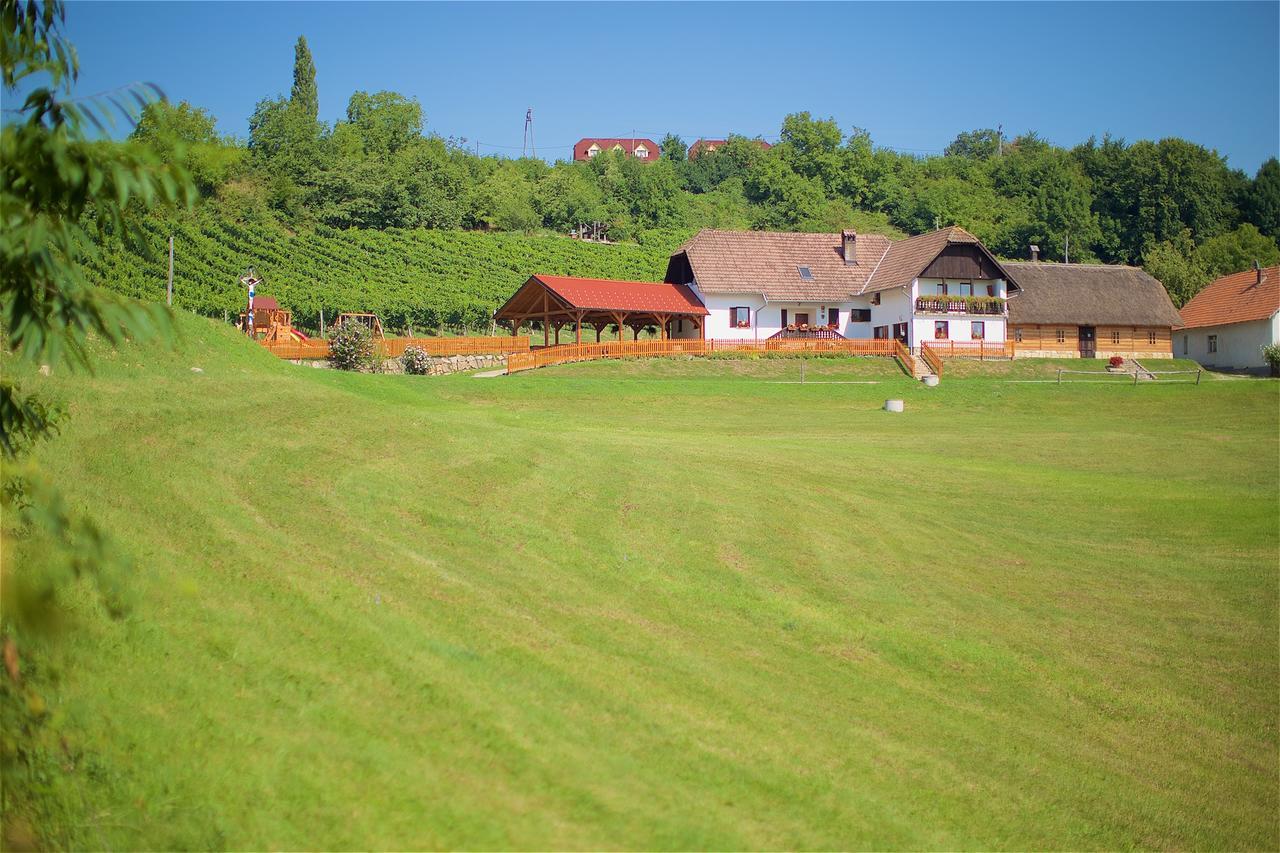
x: 893, y: 405
x: 931, y: 381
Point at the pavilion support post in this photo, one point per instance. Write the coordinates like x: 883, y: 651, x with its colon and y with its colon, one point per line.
x: 597, y: 325
x: 578, y: 329
x: 618, y: 317
x: 546, y: 330
x: 662, y: 319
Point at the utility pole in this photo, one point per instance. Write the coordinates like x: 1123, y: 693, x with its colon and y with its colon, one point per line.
x: 170, y: 297
x: 1066, y: 249
x: 999, y: 140
x: 528, y: 134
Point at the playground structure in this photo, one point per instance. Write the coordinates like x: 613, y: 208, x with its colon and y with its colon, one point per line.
x: 270, y: 323
x: 368, y: 320
x: 265, y: 321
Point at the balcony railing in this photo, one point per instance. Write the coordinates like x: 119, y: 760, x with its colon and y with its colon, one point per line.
x: 982, y: 305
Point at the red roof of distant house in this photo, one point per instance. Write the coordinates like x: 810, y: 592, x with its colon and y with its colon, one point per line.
x: 1235, y: 298
x: 628, y: 146
x: 603, y: 294
x: 704, y: 145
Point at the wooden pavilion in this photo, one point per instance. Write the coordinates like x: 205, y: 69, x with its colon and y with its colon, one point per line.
x: 559, y: 301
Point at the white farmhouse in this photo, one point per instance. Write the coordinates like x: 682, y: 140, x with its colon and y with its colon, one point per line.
x: 940, y: 286
x: 1229, y: 322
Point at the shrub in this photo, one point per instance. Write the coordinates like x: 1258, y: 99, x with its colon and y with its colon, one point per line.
x: 1271, y: 352
x: 1116, y: 360
x: 351, y: 347
x: 416, y: 361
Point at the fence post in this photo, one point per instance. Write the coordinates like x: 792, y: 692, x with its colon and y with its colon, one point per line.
x: 1198, y: 372
x: 1059, y: 375
x: 1135, y: 377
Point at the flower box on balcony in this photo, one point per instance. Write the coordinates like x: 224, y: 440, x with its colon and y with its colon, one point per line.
x: 984, y: 305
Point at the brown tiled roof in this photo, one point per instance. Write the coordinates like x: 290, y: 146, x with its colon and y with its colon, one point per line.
x: 603, y: 294
x: 1088, y: 295
x: 769, y: 262
x: 1235, y: 298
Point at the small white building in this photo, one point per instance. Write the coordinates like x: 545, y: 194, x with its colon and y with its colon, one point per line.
x: 1228, y: 323
x: 940, y: 286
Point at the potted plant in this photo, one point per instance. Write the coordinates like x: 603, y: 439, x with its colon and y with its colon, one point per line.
x: 1115, y: 364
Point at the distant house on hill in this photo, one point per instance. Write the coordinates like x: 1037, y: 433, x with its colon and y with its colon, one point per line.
x: 637, y: 147
x: 702, y: 146
x: 1229, y: 322
x: 1089, y: 311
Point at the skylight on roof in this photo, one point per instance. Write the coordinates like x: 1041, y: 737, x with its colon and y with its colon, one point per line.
x: 806, y: 274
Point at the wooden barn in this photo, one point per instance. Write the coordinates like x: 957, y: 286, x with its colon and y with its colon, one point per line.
x: 1089, y: 311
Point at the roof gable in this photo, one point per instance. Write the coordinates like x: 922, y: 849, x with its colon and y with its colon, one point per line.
x: 908, y: 259
x: 1235, y: 298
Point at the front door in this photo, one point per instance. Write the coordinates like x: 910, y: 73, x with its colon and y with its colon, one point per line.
x: 1088, y: 342
x: 900, y: 331
x: 802, y: 319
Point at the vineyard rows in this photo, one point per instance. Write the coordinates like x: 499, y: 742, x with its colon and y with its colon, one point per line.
x: 424, y: 279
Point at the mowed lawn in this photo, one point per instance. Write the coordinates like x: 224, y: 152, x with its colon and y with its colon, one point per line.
x: 671, y: 604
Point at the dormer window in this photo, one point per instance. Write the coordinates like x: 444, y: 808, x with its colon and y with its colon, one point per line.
x: 806, y: 274
x: 642, y: 152
x: 617, y: 147
x: 593, y: 150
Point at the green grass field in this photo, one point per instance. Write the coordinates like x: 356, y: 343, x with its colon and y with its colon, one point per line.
x: 668, y: 604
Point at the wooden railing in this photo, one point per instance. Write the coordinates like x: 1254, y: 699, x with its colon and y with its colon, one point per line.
x: 931, y: 359
x: 318, y: 348
x: 650, y: 349
x: 904, y: 356
x: 981, y: 350
x: 989, y: 305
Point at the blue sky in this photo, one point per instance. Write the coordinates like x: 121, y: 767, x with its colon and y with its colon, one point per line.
x: 913, y: 74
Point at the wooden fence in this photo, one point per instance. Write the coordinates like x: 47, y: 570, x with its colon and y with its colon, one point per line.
x: 655, y: 348
x: 980, y: 350
x: 318, y: 348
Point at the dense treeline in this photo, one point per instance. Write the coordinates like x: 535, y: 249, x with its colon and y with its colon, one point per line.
x: 1171, y: 205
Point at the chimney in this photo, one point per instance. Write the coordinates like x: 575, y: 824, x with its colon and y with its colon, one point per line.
x: 1035, y: 252
x: 1257, y: 273
x: 849, y: 240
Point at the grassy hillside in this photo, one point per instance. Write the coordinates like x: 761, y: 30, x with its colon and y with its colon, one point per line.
x: 667, y: 605
x: 418, y: 277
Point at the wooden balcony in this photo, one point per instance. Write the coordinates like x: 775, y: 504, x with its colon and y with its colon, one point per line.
x: 985, y: 306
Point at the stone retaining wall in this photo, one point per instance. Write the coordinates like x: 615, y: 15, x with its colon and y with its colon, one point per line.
x: 436, y: 365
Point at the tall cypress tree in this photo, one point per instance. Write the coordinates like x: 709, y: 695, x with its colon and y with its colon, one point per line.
x: 304, y: 97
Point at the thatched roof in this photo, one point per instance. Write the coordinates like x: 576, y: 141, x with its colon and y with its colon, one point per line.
x: 1088, y: 295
